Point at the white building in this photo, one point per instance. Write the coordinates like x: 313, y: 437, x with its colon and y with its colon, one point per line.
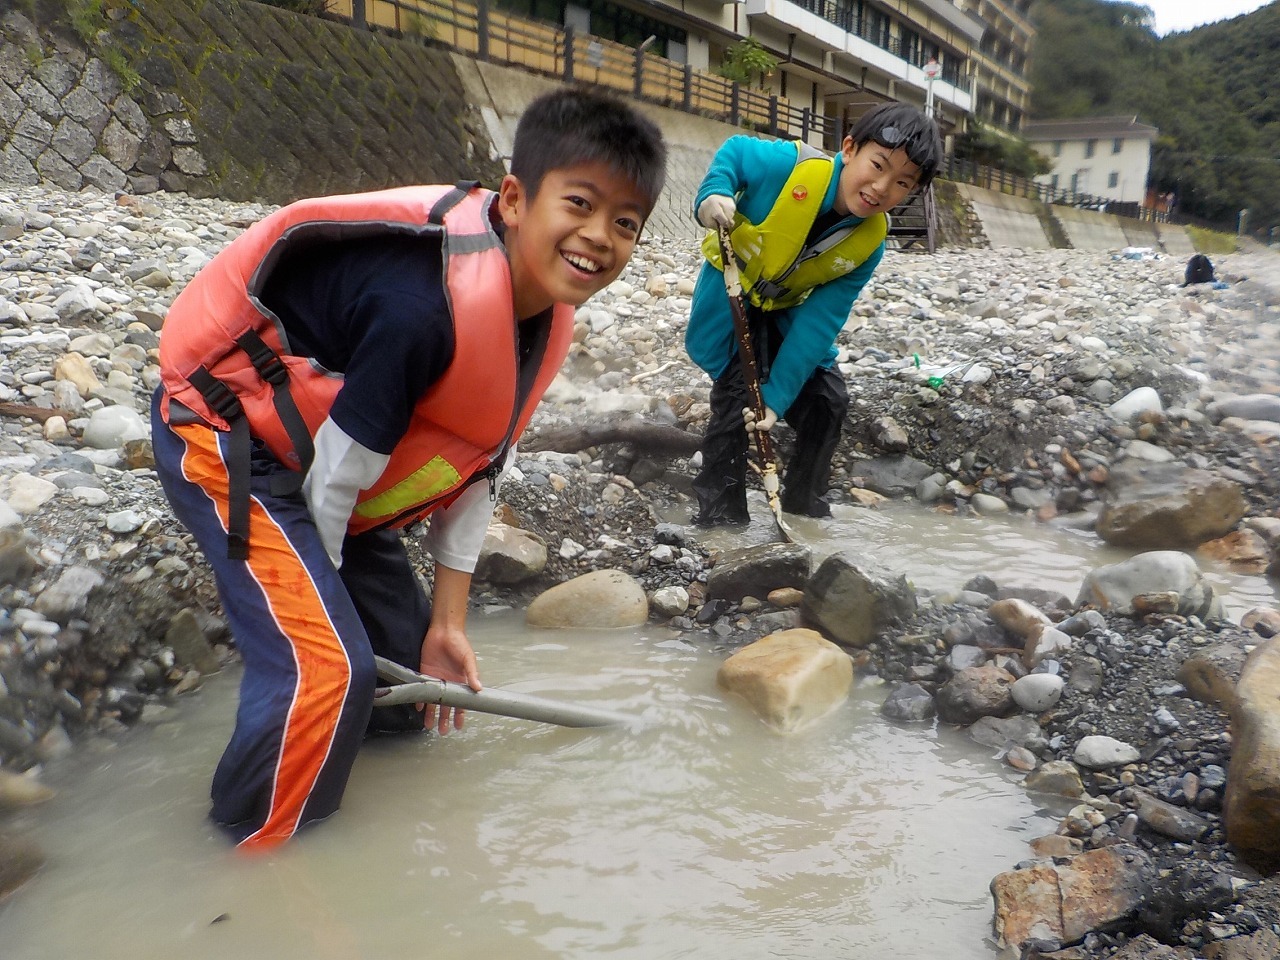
x: 1106, y: 157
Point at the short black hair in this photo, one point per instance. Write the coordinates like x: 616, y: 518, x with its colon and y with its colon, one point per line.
x: 894, y: 125
x: 573, y: 125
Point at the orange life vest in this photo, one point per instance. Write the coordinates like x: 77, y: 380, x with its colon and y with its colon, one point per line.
x: 225, y: 358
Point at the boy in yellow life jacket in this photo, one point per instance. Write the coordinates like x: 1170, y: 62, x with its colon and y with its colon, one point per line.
x: 808, y: 231
x: 345, y: 367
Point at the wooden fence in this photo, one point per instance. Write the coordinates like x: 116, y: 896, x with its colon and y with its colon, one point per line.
x: 475, y: 28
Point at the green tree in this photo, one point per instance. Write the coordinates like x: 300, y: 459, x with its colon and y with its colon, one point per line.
x: 747, y: 59
x: 1213, y: 92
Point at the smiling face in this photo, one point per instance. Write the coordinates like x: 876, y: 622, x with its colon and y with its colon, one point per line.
x: 573, y: 238
x: 874, y: 178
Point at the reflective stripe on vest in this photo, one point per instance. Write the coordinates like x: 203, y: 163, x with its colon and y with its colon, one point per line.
x: 460, y: 426
x: 777, y: 270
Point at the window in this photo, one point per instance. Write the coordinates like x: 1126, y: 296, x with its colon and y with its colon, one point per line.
x: 1117, y: 144
x: 1057, y: 148
x: 607, y: 21
x: 1090, y: 147
x: 1113, y: 180
x: 1053, y: 183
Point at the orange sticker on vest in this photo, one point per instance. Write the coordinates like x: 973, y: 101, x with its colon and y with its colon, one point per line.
x: 800, y: 192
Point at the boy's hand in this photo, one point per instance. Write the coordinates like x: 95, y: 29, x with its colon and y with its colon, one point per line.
x: 764, y: 425
x: 447, y: 655
x: 716, y: 211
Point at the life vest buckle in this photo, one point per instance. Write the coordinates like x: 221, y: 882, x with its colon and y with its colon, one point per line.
x: 265, y: 360
x: 222, y: 399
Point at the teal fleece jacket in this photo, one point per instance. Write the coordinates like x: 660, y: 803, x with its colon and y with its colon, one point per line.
x: 753, y: 172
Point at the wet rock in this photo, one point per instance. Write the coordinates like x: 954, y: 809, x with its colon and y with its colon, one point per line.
x: 759, y: 570
x: 1159, y: 506
x: 850, y: 603
x: 510, y: 555
x: 909, y: 703
x: 1112, y: 588
x: 1064, y: 902
x: 1252, y: 815
x: 1037, y: 692
x: 604, y: 598
x: 790, y: 679
x: 1100, y: 752
x: 974, y: 693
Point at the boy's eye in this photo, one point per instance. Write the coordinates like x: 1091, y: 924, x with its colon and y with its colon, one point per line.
x: 628, y: 224
x: 579, y: 201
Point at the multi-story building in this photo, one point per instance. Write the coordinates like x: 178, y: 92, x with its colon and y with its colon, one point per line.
x: 836, y: 58
x: 1104, y: 157
x: 1002, y: 95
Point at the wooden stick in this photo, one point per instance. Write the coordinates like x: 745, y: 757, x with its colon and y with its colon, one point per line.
x: 768, y: 466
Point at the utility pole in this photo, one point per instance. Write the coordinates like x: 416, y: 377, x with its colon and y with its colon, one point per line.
x: 931, y: 71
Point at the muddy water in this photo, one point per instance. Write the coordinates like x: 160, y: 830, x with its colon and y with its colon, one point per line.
x: 697, y: 834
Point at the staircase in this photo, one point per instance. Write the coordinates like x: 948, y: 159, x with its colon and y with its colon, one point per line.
x: 914, y: 222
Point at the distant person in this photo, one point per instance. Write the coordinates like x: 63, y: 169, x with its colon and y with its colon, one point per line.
x: 808, y: 231
x: 352, y: 364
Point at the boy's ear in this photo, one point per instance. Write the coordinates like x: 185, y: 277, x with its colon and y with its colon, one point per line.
x: 511, y: 200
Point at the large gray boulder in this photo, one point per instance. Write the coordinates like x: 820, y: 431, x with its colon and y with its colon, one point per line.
x: 1167, y: 505
x: 850, y: 603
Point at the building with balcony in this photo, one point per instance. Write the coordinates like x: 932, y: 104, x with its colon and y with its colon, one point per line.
x: 1107, y: 158
x: 1002, y: 95
x: 837, y: 58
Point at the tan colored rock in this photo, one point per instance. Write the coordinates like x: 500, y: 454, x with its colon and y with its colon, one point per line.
x: 601, y: 599
x: 1028, y: 905
x: 1264, y: 621
x: 76, y: 368
x: 1056, y: 845
x: 1251, y: 812
x: 789, y: 678
x: 510, y: 555
x: 1058, y: 777
x: 866, y: 498
x: 1069, y: 900
x: 1259, y: 945
x: 1210, y: 674
x: 21, y: 790
x: 1243, y: 550
x: 1019, y: 617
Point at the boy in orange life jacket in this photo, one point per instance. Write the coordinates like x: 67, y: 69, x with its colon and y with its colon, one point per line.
x: 345, y: 367
x: 808, y: 232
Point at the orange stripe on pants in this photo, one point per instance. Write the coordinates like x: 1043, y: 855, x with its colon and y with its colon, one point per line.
x: 295, y: 635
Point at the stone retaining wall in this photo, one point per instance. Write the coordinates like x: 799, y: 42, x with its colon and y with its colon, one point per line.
x: 228, y: 98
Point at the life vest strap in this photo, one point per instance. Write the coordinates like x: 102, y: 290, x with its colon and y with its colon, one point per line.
x: 227, y: 405
x: 451, y: 200
x: 269, y: 366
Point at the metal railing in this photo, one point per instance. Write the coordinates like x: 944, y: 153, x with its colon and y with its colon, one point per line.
x: 474, y: 27
x: 993, y: 178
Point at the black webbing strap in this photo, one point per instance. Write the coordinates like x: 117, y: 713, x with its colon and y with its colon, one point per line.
x: 269, y: 366
x: 227, y: 405
x: 451, y: 200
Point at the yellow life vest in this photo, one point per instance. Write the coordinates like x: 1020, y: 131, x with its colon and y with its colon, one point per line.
x: 777, y: 269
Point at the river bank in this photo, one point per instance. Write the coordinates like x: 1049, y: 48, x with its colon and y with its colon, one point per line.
x: 109, y: 614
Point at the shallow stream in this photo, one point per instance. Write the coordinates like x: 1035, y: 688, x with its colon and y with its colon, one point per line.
x: 697, y: 834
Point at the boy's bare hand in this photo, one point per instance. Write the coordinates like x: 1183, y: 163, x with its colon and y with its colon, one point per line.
x: 716, y: 211
x: 764, y: 425
x: 447, y: 655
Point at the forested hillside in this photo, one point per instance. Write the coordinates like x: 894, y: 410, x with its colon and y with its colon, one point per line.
x: 1213, y: 92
